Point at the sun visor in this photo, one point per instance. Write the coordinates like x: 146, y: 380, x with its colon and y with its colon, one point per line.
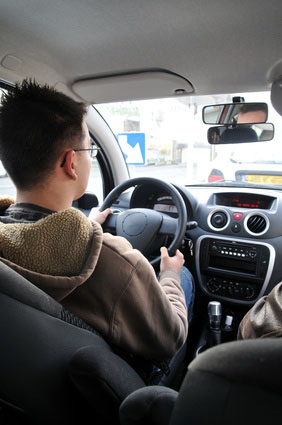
x: 136, y: 85
x: 276, y: 95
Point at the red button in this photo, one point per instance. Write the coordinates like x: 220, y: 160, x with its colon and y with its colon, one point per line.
x: 237, y: 216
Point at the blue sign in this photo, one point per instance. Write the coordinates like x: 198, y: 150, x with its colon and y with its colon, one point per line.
x: 133, y: 147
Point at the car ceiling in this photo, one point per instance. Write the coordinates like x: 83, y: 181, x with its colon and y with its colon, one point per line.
x: 219, y: 46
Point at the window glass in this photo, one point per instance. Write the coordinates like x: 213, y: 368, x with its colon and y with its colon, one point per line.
x: 95, y: 184
x: 7, y: 187
x: 167, y: 139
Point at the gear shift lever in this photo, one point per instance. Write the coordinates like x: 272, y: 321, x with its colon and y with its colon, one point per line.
x: 214, y: 313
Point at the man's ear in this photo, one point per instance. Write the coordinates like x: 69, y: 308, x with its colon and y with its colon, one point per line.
x: 69, y: 165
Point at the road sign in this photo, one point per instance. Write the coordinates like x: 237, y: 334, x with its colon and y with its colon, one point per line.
x: 133, y: 147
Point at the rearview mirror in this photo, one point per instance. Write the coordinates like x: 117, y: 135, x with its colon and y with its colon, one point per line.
x: 235, y: 113
x: 240, y: 134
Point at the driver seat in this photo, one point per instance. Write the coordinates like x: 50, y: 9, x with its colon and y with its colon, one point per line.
x: 48, y: 356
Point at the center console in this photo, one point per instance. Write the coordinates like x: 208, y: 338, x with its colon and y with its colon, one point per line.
x: 232, y: 270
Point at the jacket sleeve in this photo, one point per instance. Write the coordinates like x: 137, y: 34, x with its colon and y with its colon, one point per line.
x: 150, y: 317
x: 264, y: 318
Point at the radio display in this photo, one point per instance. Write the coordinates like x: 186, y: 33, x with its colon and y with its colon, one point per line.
x: 246, y: 203
x: 244, y: 200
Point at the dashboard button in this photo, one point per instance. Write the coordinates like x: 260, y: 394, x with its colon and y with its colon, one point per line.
x: 252, y: 254
x: 237, y: 216
x: 236, y: 227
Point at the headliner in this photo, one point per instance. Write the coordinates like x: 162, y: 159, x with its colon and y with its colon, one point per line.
x: 220, y: 46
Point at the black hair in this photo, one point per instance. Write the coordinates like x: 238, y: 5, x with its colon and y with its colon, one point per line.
x: 37, y: 123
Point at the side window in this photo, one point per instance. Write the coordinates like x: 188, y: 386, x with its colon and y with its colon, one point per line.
x: 7, y: 187
x: 95, y: 184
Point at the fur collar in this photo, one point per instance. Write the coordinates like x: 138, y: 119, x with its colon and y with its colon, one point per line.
x: 57, y: 245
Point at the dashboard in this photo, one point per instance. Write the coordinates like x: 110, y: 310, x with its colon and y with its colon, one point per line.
x: 237, y: 240
x: 153, y: 197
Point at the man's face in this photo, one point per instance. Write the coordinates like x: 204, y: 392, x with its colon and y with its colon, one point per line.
x: 251, y: 117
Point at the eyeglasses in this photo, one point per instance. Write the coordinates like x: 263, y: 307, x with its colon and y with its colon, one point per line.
x: 93, y: 150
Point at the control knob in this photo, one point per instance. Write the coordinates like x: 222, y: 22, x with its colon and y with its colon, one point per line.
x: 219, y: 219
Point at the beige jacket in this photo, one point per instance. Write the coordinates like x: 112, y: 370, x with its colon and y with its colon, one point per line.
x: 265, y: 317
x: 102, y: 279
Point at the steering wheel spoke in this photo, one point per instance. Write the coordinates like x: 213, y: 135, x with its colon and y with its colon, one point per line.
x: 169, y: 225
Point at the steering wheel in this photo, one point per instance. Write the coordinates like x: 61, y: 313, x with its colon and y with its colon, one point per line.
x: 141, y: 226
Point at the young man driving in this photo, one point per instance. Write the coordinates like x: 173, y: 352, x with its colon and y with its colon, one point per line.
x: 46, y: 149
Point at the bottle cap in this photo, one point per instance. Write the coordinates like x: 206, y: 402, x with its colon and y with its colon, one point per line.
x: 228, y: 320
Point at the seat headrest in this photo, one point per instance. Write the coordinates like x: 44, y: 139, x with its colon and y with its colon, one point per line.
x: 149, y: 405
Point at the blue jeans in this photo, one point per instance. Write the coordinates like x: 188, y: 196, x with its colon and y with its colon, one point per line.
x: 188, y: 285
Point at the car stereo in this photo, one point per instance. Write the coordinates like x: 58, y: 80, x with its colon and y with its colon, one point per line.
x: 231, y: 269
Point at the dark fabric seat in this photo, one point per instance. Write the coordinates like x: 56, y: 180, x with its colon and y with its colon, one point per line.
x: 44, y: 354
x: 233, y: 383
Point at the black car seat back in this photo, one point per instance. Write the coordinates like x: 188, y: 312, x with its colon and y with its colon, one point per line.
x: 37, y: 350
x: 238, y: 382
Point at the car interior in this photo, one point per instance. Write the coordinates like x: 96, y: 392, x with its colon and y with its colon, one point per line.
x: 168, y: 86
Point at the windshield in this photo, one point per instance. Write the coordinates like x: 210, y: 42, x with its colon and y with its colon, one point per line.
x: 167, y: 139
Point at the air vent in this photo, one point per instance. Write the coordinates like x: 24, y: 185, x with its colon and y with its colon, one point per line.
x: 256, y: 224
x: 218, y: 220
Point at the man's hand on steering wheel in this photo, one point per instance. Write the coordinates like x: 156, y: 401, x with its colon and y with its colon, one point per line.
x: 171, y: 263
x: 99, y: 216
